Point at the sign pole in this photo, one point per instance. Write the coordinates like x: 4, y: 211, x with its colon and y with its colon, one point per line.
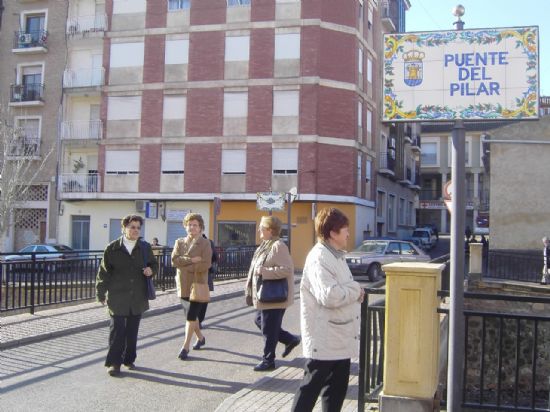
x: 455, y: 368
x: 289, y: 203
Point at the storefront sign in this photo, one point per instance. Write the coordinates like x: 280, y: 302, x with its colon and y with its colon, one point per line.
x: 274, y: 201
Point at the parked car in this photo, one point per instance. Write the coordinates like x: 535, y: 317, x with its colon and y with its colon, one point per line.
x: 43, y: 251
x: 424, y: 238
x: 367, y: 259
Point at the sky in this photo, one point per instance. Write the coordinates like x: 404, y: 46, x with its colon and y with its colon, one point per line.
x: 428, y: 15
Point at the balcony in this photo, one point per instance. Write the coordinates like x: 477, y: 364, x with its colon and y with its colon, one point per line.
x: 33, y: 41
x: 407, y: 178
x: 26, y: 144
x: 415, y: 143
x: 83, y: 78
x: 82, y: 130
x: 388, y: 23
x: 415, y: 184
x: 30, y: 94
x: 387, y: 163
x: 79, y: 183
x: 87, y: 25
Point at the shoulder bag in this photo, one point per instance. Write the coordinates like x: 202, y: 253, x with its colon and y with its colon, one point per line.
x: 272, y: 290
x: 150, y: 286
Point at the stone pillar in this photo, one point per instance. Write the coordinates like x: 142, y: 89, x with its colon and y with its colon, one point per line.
x: 411, y: 364
x: 476, y: 259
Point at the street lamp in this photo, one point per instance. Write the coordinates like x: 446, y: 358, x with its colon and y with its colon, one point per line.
x: 458, y: 216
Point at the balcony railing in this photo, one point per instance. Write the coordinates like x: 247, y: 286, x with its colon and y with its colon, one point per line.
x: 83, y: 77
x: 26, y: 92
x: 79, y: 183
x: 87, y: 24
x: 26, y: 145
x: 32, y: 38
x: 82, y: 129
x: 387, y: 161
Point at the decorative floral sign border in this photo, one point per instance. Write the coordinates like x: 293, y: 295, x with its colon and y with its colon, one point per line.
x: 525, y: 107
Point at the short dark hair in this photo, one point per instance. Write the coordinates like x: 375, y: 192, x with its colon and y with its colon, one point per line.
x: 329, y: 219
x: 126, y: 220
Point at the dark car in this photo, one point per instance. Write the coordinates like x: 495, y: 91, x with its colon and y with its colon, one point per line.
x: 367, y: 259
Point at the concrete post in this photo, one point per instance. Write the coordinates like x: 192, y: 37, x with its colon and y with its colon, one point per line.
x: 476, y: 268
x: 411, y: 364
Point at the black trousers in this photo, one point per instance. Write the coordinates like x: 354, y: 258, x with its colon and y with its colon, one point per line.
x: 202, y: 312
x: 269, y: 321
x: 328, y: 378
x: 123, y: 332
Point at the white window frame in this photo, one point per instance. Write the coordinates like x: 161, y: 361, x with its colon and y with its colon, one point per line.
x: 233, y: 161
x: 174, y: 107
x: 381, y: 204
x: 235, y: 105
x: 368, y: 170
x: 286, y: 103
x: 173, y: 162
x: 25, y: 13
x: 118, y: 58
x: 359, y: 113
x: 181, y: 5
x: 284, y: 161
x: 287, y: 46
x: 369, y: 69
x: 237, y: 48
x: 359, y: 174
x: 429, y: 140
x: 360, y: 60
x: 176, y: 51
x: 21, y: 68
x: 122, y: 162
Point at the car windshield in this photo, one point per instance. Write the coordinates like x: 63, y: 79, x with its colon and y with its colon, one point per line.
x: 62, y: 248
x: 420, y: 233
x: 372, y: 247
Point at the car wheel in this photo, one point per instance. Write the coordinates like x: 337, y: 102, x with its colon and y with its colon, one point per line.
x: 375, y: 272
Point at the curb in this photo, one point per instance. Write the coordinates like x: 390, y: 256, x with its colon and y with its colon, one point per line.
x: 97, y: 324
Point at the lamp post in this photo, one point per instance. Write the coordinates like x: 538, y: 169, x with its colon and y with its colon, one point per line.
x: 458, y: 216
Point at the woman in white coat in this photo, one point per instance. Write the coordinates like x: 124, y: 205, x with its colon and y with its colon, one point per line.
x: 330, y: 312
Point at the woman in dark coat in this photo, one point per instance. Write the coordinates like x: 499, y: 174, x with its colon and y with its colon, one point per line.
x: 121, y: 283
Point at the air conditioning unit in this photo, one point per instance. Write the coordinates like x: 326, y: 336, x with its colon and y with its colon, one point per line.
x: 140, y: 205
x: 25, y: 38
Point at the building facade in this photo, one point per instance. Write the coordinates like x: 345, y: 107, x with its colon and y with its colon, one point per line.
x: 32, y: 52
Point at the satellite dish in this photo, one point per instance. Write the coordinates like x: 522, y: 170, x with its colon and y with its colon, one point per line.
x: 293, y: 194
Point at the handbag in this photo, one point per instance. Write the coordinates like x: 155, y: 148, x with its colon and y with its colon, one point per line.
x: 199, y: 291
x: 272, y: 290
x: 149, y: 285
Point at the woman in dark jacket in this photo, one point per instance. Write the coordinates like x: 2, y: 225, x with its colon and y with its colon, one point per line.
x: 121, y: 282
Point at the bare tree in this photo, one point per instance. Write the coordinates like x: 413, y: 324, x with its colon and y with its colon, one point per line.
x: 21, y: 164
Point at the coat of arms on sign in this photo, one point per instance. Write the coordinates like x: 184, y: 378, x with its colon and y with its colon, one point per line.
x: 413, y: 67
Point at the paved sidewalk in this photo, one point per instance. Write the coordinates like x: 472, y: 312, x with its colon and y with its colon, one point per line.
x: 272, y: 392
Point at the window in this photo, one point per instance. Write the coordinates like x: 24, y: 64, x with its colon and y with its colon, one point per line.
x: 236, y: 234
x: 237, y: 48
x: 285, y: 161
x: 35, y: 24
x: 360, y: 60
x: 361, y: 11
x: 129, y: 6
x: 287, y: 46
x: 286, y: 103
x: 176, y: 51
x: 235, y: 104
x: 369, y: 70
x: 402, y: 211
x: 232, y: 3
x: 370, y: 17
x: 178, y: 4
x: 393, y: 248
x: 31, y: 80
x: 467, y: 149
x: 407, y: 249
x: 359, y: 174
x: 27, y: 141
x: 174, y: 107
x: 410, y: 211
x: 121, y: 162
x: 380, y: 204
x: 173, y: 162
x: 360, y: 114
x: 124, y: 108
x: 429, y: 154
x: 233, y: 162
x: 368, y: 170
x: 127, y: 54
x: 391, y: 213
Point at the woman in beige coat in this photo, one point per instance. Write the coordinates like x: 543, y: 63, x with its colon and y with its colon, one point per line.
x: 192, y: 257
x: 271, y: 261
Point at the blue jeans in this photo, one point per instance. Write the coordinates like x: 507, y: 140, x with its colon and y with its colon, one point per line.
x: 269, y: 321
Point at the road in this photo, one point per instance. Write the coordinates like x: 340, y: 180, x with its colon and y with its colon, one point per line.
x: 67, y: 373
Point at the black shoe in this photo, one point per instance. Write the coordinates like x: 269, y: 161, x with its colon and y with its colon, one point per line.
x: 130, y: 366
x: 264, y: 366
x: 114, y: 370
x: 200, y: 343
x: 183, y: 354
x: 290, y: 346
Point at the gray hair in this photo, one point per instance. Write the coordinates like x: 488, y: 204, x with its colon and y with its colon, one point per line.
x: 545, y: 239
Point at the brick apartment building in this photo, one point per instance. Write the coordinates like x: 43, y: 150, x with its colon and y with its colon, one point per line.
x: 167, y: 105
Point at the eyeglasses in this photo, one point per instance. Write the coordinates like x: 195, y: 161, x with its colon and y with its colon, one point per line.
x: 134, y: 227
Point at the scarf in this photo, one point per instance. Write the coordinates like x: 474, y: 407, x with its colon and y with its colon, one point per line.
x: 263, y: 250
x: 129, y: 244
x: 338, y: 254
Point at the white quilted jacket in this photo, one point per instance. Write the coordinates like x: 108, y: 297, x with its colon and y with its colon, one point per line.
x: 330, y: 311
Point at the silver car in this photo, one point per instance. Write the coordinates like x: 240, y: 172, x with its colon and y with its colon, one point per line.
x: 368, y: 258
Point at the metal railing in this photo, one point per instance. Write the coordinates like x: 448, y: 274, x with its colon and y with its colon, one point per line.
x: 517, y: 265
x: 32, y: 38
x: 28, y: 145
x: 387, y: 160
x: 82, y: 129
x: 86, y: 24
x: 36, y: 280
x: 84, y: 77
x: 79, y: 183
x: 26, y: 92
